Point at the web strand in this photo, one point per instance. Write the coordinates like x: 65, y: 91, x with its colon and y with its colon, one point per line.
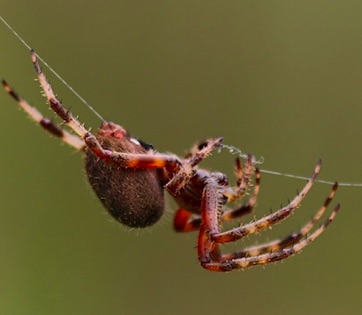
x: 236, y: 151
x: 52, y: 70
x: 307, y: 178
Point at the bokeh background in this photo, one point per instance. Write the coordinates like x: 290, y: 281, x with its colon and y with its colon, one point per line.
x: 280, y: 79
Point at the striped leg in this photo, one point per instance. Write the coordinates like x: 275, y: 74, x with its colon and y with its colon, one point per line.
x: 124, y: 159
x: 47, y: 124
x: 54, y: 103
x: 268, y: 258
x: 243, y: 179
x: 267, y: 221
x: 246, y: 208
x: 185, y: 221
x: 184, y: 174
x: 209, y: 250
x: 285, y: 242
x: 170, y: 162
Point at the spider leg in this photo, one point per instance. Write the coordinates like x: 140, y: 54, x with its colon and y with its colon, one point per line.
x: 46, y: 123
x: 185, y: 221
x: 243, y: 181
x: 268, y: 258
x: 197, y: 147
x: 54, y: 103
x: 185, y: 172
x: 209, y: 249
x: 63, y: 112
x: 247, y: 207
x: 170, y: 162
x: 211, y: 205
x: 287, y: 241
x: 267, y: 221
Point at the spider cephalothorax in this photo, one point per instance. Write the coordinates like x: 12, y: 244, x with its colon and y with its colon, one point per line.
x: 130, y: 176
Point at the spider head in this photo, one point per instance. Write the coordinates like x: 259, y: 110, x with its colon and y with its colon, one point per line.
x: 110, y: 129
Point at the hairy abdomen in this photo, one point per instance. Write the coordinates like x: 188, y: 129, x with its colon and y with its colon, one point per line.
x: 134, y: 197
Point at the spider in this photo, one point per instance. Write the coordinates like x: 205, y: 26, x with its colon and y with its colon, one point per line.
x: 129, y: 177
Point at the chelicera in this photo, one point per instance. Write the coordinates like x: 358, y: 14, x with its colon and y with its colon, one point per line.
x: 129, y: 177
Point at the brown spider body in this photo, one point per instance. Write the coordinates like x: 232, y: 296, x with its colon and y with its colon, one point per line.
x: 130, y: 177
x: 189, y: 198
x: 135, y: 197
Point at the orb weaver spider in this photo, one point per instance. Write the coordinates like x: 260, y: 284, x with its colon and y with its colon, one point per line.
x: 129, y: 177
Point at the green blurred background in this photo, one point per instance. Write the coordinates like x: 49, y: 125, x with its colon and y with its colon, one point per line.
x: 280, y: 79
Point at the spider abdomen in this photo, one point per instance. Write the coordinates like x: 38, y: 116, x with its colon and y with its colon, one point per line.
x: 134, y: 197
